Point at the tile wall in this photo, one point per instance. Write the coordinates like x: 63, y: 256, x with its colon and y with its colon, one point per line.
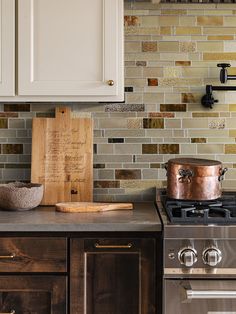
x: 171, y: 52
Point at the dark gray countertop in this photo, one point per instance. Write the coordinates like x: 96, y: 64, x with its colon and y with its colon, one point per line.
x: 143, y: 218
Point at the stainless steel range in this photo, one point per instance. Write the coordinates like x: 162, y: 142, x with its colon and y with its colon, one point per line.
x: 199, y: 255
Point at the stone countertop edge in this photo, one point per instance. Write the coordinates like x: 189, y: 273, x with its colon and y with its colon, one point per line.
x: 143, y: 218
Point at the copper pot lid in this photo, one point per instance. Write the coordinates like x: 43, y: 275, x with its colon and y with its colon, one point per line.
x: 195, y: 162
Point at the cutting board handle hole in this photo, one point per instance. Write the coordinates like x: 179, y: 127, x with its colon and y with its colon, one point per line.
x: 74, y: 192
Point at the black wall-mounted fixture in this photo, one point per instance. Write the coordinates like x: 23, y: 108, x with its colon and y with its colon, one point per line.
x: 208, y: 100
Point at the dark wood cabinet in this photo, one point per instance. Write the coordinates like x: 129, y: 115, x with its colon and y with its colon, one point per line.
x: 33, y: 294
x: 113, y: 276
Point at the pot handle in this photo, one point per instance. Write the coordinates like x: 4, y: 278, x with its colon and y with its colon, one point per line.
x: 166, y: 167
x: 222, y: 173
x: 185, y: 175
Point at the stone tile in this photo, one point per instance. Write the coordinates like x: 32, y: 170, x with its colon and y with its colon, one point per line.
x: 161, y: 115
x: 187, y: 46
x: 112, y: 158
x: 149, y: 149
x: 210, y: 148
x: 150, y: 174
x: 155, y: 165
x: 210, y: 46
x: 127, y: 174
x: 172, y: 123
x: 16, y: 124
x: 220, y: 37
x: 131, y: 20
x: 168, y: 46
x: 17, y: 107
x: 104, y: 149
x: 135, y: 123
x: 152, y: 72
x: 169, y: 148
x: 8, y: 115
x: 230, y: 149
x: 98, y: 166
x: 153, y: 123
x: 141, y: 63
x: 106, y: 174
x: 116, y: 140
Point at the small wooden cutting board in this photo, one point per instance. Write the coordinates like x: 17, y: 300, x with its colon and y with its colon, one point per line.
x: 89, y: 207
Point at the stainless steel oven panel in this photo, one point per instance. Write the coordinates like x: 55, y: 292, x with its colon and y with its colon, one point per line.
x: 227, y: 248
x: 200, y: 296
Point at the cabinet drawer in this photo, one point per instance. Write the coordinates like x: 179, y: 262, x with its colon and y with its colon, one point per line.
x: 33, y: 254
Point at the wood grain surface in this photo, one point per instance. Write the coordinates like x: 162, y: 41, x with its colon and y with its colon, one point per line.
x: 62, y: 157
x: 81, y: 207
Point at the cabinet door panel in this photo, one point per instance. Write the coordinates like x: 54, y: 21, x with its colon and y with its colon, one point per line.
x: 69, y: 47
x: 7, y: 46
x: 116, y: 276
x: 41, y: 295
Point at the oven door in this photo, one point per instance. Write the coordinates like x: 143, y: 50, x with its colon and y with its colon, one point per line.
x: 200, y: 296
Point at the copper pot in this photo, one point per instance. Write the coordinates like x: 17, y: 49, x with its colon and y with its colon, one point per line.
x: 194, y: 179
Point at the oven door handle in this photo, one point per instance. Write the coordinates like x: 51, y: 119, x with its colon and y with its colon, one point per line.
x: 210, y: 294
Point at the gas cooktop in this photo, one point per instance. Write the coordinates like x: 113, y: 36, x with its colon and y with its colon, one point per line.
x: 219, y: 211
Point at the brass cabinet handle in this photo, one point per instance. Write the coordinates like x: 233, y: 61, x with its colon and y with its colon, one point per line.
x: 110, y: 82
x: 11, y: 256
x: 121, y: 246
x: 12, y: 312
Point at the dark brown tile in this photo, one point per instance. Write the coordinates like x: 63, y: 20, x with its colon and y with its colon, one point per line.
x: 12, y: 148
x: 17, y: 107
x: 155, y: 165
x: 173, y: 107
x: 17, y: 166
x: 106, y: 184
x: 198, y: 140
x: 45, y: 115
x: 9, y: 115
x: 161, y: 115
x: 2, y: 166
x: 116, y: 140
x: 169, y: 148
x: 183, y: 63
x: 95, y: 150
x: 99, y: 166
x: 3, y: 123
x: 141, y: 63
x: 149, y: 148
x: 152, y: 82
x: 153, y: 123
x: 127, y: 174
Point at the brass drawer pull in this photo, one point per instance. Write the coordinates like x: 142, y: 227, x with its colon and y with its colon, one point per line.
x: 110, y: 82
x: 121, y: 246
x: 12, y: 312
x: 13, y: 255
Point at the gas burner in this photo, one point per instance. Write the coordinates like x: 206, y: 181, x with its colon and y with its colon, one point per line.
x: 220, y: 211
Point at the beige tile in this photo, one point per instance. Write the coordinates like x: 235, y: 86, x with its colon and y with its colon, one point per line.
x: 127, y: 149
x: 172, y: 123
x: 152, y: 72
x: 230, y: 46
x: 194, y: 72
x: 209, y: 20
x: 112, y: 123
x: 219, y: 30
x: 105, y: 149
x: 195, y: 123
x: 230, y: 21
x: 219, y: 56
x: 169, y: 20
x: 165, y: 30
x: 187, y: 20
x: 220, y: 37
x: 210, y: 148
x: 132, y: 46
x: 152, y: 98
x: 168, y: 46
x: 149, y: 46
x: 210, y: 46
x: 150, y: 20
x: 135, y: 123
x: 172, y: 72
x: 230, y: 148
x: 133, y: 72
x: 188, y: 30
x: 188, y: 149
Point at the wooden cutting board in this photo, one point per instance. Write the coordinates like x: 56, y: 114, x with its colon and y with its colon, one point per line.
x: 88, y: 207
x: 62, y: 157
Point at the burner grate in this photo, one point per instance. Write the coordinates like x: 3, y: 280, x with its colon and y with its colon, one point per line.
x: 222, y: 210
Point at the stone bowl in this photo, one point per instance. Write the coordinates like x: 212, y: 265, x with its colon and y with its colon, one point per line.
x: 20, y: 196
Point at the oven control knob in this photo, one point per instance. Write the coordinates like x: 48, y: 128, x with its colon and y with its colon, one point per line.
x: 187, y: 256
x: 211, y: 256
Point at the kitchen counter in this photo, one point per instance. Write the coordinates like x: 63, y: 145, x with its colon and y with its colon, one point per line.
x: 142, y: 218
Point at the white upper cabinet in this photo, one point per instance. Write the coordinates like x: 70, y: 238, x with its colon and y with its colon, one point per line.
x: 70, y: 48
x: 7, y: 48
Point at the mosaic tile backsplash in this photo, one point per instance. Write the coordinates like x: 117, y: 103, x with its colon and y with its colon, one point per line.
x: 171, y: 52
